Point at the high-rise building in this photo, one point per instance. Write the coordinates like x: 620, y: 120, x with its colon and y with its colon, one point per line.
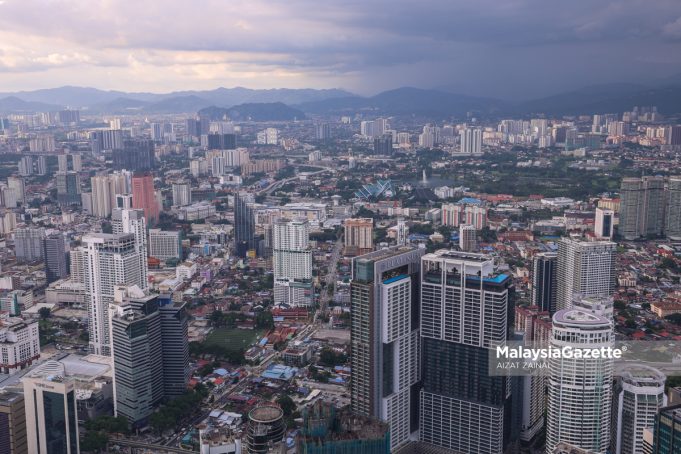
x: 322, y: 131
x: 108, y: 260
x: 584, y: 267
x: 12, y: 423
x: 165, y: 245
x: 675, y: 135
x: 244, y: 224
x: 19, y: 342
x: 467, y: 238
x: 667, y: 433
x: 384, y: 341
x: 383, y: 145
x: 144, y: 197
x: 68, y: 188
x: 673, y: 219
x: 466, y: 306
x: 54, y: 254
x: 292, y: 259
x: 69, y: 161
x: 128, y: 220
x: 471, y: 140
x: 604, y: 224
x: 182, y: 194
x: 28, y: 244
x: 136, y: 156
x: 642, y: 207
x: 104, y: 191
x: 175, y: 335
x: 19, y: 187
x: 25, y: 166
x: 544, y: 284
x: 580, y: 389
x: 221, y: 141
x: 638, y: 396
x: 51, y: 410
x: 358, y: 236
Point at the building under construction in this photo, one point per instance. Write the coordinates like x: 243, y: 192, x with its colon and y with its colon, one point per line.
x: 329, y: 431
x: 265, y: 428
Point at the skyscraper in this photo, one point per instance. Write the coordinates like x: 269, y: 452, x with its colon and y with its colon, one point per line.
x: 221, y: 141
x: 383, y: 145
x: 126, y: 220
x: 174, y: 332
x: 471, y: 140
x: 384, y: 340
x: 292, y: 258
x: 108, y: 260
x: 68, y: 188
x: 604, y: 223
x: 638, y: 396
x: 642, y: 207
x: 144, y: 197
x: 467, y: 238
x: 358, y: 236
x: 54, y: 254
x: 136, y: 156
x: 673, y: 220
x: 584, y: 267
x: 667, y: 434
x: 165, y: 244
x: 322, y: 131
x: 104, y: 191
x: 465, y: 311
x: 544, y: 284
x: 12, y: 424
x: 51, y: 410
x: 182, y: 194
x: 580, y: 389
x: 19, y: 187
x: 28, y: 244
x: 244, y: 224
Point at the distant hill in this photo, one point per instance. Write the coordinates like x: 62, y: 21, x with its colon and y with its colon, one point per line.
x: 15, y: 105
x: 407, y: 101
x: 189, y: 103
x: 275, y: 111
x: 81, y: 97
x: 120, y: 105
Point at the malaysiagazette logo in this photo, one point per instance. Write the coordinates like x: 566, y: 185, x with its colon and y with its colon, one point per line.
x: 551, y: 352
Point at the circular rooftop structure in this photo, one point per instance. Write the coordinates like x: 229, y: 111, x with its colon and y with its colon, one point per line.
x: 265, y: 414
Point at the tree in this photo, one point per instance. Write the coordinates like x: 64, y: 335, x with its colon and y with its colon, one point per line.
x: 94, y: 441
x: 287, y: 404
x: 44, y: 312
x: 328, y: 357
x: 264, y: 319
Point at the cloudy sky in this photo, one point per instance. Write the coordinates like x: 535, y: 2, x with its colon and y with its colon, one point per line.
x: 504, y: 48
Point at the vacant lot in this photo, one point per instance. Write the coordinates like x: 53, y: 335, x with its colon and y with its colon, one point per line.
x: 233, y: 338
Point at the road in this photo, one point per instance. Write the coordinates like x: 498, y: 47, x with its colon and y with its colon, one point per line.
x: 331, y: 277
x: 277, y: 184
x: 147, y: 446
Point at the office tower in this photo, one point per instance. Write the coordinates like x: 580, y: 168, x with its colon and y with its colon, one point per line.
x: 638, y: 396
x: 244, y: 224
x: 54, y: 254
x: 26, y: 166
x: 156, y: 131
x: 466, y: 307
x: 136, y: 156
x: 222, y: 141
x: 359, y: 236
x: 384, y: 331
x: 165, y: 245
x: 471, y: 140
x: 174, y: 334
x: 28, y: 244
x: 16, y: 301
x: 12, y: 423
x: 675, y: 135
x: 108, y: 260
x: 587, y: 268
x: 673, y: 220
x: 580, y: 389
x: 182, y: 194
x: 67, y: 117
x: 604, y: 224
x: 544, y: 285
x: 137, y: 351
x: 191, y: 127
x: 51, y: 410
x: 322, y: 131
x: 144, y: 198
x: 17, y: 184
x: 112, y: 140
x: 383, y: 145
x: 68, y: 188
x: 292, y: 260
x: 467, y: 238
x: 667, y: 433
x: 642, y: 203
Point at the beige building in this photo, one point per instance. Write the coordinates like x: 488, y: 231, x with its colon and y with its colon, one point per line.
x: 359, y: 238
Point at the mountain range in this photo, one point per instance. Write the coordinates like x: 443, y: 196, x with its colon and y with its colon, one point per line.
x: 285, y: 104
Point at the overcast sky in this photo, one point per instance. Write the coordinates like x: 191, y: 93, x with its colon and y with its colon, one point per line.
x: 501, y: 48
